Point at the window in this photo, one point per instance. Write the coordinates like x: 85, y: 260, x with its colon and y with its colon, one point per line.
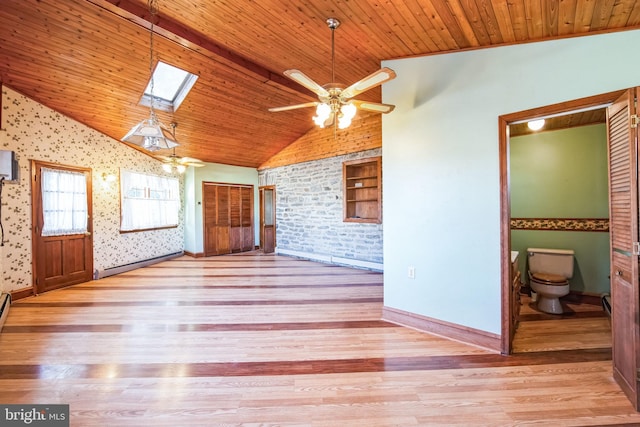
x: 170, y: 86
x: 64, y: 202
x: 148, y: 201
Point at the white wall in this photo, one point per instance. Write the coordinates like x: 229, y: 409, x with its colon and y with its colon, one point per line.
x: 214, y: 172
x: 440, y: 162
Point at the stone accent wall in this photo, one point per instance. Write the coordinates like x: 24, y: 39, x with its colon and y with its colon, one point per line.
x: 309, y: 211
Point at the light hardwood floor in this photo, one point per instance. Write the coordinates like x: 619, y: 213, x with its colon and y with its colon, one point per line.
x: 254, y: 339
x: 582, y: 326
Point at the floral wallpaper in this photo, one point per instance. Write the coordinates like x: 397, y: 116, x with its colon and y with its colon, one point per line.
x: 36, y: 132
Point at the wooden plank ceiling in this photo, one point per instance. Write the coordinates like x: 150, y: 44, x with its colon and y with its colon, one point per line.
x: 89, y: 59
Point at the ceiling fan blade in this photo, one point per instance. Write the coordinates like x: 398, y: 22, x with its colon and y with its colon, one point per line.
x: 189, y: 160
x: 372, y: 80
x: 293, y: 107
x: 375, y: 107
x: 304, y: 80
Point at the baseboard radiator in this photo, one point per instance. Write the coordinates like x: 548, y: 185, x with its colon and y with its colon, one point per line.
x: 100, y: 274
x: 5, y: 303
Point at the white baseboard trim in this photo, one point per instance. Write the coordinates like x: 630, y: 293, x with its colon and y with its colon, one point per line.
x: 465, y: 334
x: 329, y: 259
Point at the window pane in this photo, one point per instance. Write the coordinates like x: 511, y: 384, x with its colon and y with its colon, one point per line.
x: 268, y: 207
x: 148, y: 201
x: 167, y: 81
x: 64, y: 202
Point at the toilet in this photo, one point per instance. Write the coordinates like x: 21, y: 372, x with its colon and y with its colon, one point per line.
x: 549, y: 274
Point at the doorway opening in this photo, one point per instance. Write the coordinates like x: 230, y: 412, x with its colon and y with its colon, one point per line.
x: 557, y: 115
x: 560, y: 203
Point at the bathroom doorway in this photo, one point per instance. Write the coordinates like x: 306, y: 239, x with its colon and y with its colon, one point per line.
x: 560, y: 200
x: 556, y: 115
x: 624, y: 223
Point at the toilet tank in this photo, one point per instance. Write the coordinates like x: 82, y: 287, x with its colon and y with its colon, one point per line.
x: 551, y: 261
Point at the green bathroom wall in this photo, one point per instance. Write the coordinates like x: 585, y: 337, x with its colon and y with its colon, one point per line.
x: 563, y: 174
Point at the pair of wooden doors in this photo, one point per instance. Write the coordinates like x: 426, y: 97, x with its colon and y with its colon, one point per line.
x: 227, y: 218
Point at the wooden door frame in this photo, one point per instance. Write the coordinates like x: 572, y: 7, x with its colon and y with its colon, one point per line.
x: 261, y: 202
x: 505, y: 193
x: 36, y: 208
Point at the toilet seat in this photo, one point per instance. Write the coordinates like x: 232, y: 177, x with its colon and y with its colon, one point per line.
x: 549, y: 279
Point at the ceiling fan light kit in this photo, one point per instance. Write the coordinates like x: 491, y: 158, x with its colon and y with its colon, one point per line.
x: 334, y: 101
x: 150, y: 133
x: 173, y: 163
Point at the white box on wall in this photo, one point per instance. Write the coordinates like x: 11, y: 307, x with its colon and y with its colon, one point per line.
x: 8, y: 165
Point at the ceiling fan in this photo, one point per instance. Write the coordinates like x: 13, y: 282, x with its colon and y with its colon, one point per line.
x: 175, y: 163
x: 334, y: 99
x: 180, y: 164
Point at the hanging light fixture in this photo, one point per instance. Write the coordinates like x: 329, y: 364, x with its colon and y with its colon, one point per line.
x: 150, y: 133
x: 333, y: 106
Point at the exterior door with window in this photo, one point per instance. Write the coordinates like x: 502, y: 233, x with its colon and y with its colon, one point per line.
x: 622, y: 137
x: 267, y: 219
x: 62, y: 225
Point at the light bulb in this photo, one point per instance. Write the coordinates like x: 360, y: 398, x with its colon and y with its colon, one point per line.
x: 151, y: 143
x: 348, y: 111
x: 181, y: 168
x: 536, y: 124
x: 166, y: 167
x: 323, y: 111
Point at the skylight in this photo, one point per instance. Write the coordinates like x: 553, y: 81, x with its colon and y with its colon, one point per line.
x: 170, y: 86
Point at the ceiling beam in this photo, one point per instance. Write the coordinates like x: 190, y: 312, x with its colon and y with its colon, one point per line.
x: 171, y: 29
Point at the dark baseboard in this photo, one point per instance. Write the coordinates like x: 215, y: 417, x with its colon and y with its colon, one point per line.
x: 194, y: 255
x: 444, y: 329
x: 577, y: 297
x: 22, y: 293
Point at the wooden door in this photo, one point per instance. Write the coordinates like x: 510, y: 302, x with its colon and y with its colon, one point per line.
x: 227, y: 218
x: 215, y: 206
x: 246, y: 218
x: 623, y: 192
x: 267, y: 219
x: 62, y: 241
x: 235, y: 219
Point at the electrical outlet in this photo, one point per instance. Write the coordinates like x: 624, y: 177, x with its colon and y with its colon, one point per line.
x: 411, y: 272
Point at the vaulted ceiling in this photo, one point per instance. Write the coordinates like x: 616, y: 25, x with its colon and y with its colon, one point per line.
x: 89, y: 59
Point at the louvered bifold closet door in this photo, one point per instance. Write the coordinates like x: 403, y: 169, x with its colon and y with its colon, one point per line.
x: 623, y: 191
x: 223, y: 225
x: 209, y: 218
x: 235, y: 219
x: 246, y: 219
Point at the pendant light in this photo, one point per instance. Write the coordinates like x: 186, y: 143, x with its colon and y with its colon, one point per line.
x: 150, y: 133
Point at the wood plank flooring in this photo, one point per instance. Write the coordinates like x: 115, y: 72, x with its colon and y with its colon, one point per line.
x: 253, y: 339
x: 582, y: 326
